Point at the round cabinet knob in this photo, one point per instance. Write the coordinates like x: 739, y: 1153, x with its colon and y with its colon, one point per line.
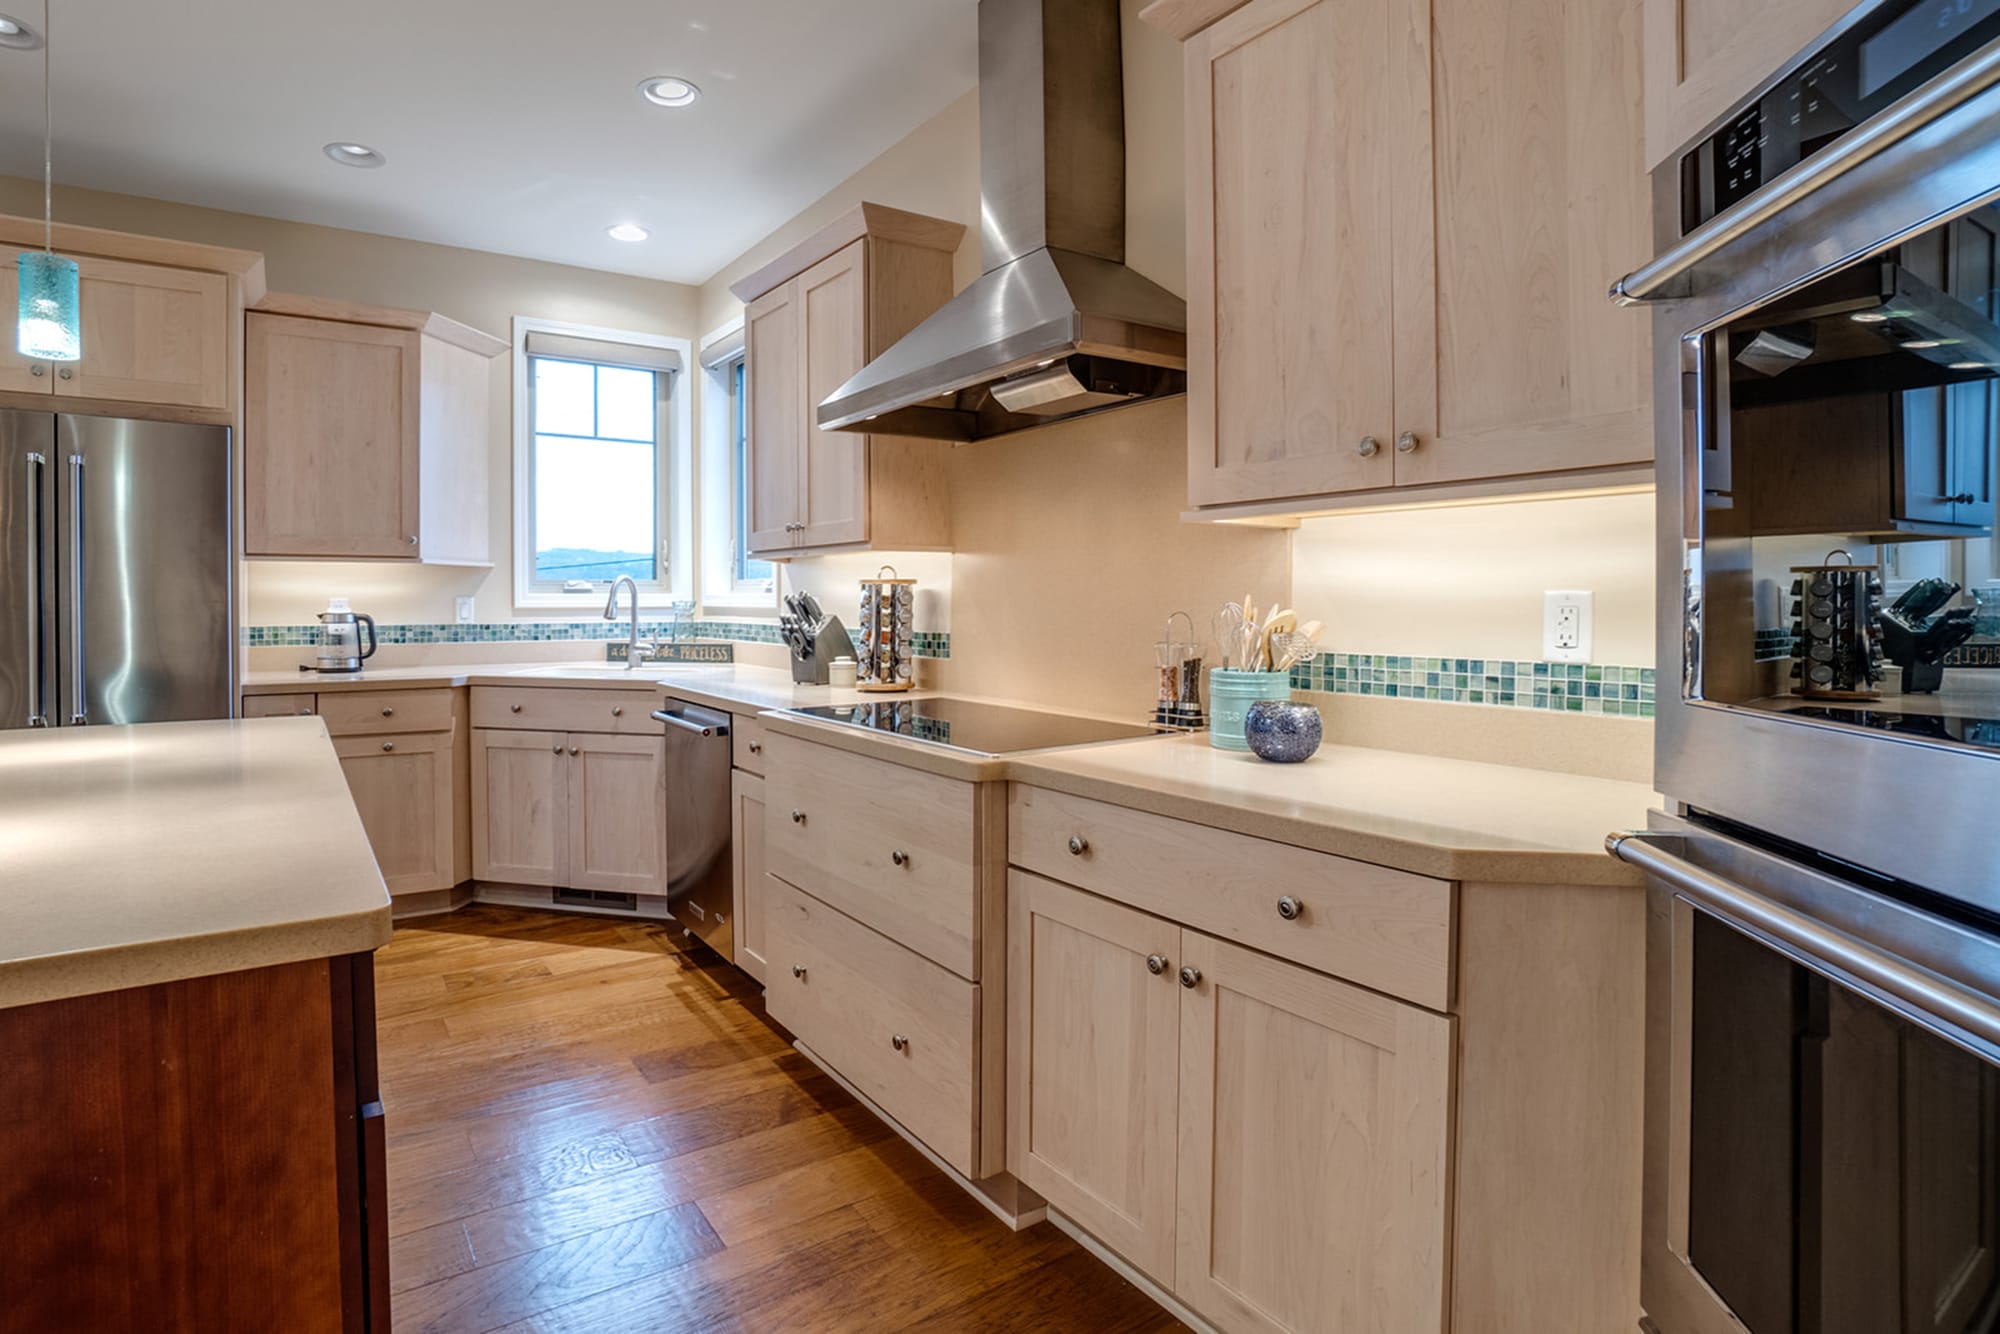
x: 1156, y: 964
x: 305, y: 712
x: 617, y: 710
x: 756, y: 748
x: 1078, y: 845
x: 389, y: 711
x: 388, y: 745
x: 1290, y: 908
x: 558, y: 750
x: 798, y: 817
x: 572, y: 750
x: 413, y: 539
x: 1406, y: 443
x: 513, y: 708
x: 1369, y: 447
x: 899, y: 1042
x: 36, y: 370
x: 64, y: 372
x: 900, y: 857
x: 1190, y: 975
x: 799, y: 971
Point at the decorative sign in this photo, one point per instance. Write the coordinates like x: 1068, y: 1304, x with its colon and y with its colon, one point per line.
x: 1974, y: 655
x: 723, y: 653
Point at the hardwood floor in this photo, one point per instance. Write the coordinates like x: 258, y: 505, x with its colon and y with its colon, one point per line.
x: 591, y: 1129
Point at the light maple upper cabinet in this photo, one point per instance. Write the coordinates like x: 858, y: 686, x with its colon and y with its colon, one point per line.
x: 366, y: 433
x: 813, y: 317
x: 160, y: 323
x: 1403, y: 219
x: 1704, y: 56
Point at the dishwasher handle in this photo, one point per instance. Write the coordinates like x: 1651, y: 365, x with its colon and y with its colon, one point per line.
x: 720, y: 727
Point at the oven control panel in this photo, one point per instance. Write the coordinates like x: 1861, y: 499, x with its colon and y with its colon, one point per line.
x: 1896, y: 47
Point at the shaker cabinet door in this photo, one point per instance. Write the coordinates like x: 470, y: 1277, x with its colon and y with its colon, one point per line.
x: 151, y: 335
x: 401, y: 786
x: 746, y: 852
x: 617, y: 813
x: 520, y: 806
x: 1313, y: 1144
x: 1093, y: 1039
x: 1294, y: 131
x: 775, y: 420
x: 833, y: 465
x: 330, y: 462
x: 1530, y: 200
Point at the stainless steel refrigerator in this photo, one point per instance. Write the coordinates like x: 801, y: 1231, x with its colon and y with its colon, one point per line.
x: 115, y: 573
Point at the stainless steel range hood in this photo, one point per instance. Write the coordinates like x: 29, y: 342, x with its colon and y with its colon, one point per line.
x: 1056, y: 326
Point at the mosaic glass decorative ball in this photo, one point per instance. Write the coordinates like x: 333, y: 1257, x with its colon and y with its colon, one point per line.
x: 1282, y: 732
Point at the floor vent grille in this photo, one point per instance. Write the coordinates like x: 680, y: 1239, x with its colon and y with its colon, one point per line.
x: 597, y: 898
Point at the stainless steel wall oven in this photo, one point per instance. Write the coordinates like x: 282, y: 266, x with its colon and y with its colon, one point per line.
x: 1823, y: 1084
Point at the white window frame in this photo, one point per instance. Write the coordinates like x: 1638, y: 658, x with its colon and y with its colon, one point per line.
x: 675, y: 474
x: 722, y: 351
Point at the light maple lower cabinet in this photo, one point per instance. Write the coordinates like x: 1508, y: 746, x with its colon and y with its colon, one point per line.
x: 1268, y: 1141
x: 402, y: 788
x: 576, y: 810
x: 746, y: 852
x: 1313, y: 1143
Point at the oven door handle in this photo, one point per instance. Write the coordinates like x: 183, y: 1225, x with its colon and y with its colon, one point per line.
x: 1920, y: 996
x: 1670, y: 274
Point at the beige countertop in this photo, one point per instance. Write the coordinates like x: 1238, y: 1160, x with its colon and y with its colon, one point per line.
x: 739, y: 688
x: 1456, y: 819
x: 136, y: 855
x: 1450, y: 818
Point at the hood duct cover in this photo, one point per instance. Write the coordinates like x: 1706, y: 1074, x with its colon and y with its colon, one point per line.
x: 1056, y: 326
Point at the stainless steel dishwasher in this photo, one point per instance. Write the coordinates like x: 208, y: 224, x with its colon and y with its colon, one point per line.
x: 700, y: 889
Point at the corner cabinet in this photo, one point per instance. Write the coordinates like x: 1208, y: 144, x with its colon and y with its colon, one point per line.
x: 366, y: 433
x: 814, y: 317
x: 1403, y: 219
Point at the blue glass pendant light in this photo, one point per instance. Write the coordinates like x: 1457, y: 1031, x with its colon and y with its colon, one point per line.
x: 51, y: 309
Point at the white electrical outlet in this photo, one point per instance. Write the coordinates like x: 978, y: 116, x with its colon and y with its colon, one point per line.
x: 464, y: 608
x: 1566, y: 625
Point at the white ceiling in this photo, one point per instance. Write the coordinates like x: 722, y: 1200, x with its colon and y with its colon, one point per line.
x: 508, y: 126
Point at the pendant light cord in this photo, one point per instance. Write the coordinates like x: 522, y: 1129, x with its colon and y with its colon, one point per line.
x: 48, y: 139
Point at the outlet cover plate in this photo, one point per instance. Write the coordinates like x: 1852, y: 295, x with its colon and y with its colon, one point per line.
x: 1566, y: 625
x: 463, y: 607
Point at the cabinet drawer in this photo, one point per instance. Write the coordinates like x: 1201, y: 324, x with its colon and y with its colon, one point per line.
x: 277, y: 706
x: 851, y: 994
x: 565, y: 709
x: 747, y: 743
x: 366, y: 712
x: 890, y: 846
x: 1382, y: 928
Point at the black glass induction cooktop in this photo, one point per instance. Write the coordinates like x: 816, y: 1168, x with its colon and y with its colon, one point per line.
x: 985, y: 729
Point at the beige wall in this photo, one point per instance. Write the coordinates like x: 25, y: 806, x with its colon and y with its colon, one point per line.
x: 1468, y: 582
x: 478, y: 288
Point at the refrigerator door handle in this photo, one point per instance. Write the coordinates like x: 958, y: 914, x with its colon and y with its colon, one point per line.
x: 37, y: 714
x: 79, y: 711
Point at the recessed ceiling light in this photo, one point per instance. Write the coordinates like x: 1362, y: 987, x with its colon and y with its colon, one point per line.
x: 1869, y: 317
x: 1922, y: 344
x: 627, y: 231
x: 354, y: 155
x: 668, y: 91
x: 1968, y: 366
x: 18, y: 35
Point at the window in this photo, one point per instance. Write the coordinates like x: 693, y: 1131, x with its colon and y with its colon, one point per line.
x: 731, y: 578
x: 598, y: 469
x: 748, y: 570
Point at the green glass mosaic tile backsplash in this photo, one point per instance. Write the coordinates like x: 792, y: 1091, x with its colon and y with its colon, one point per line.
x: 927, y: 644
x: 1568, y: 687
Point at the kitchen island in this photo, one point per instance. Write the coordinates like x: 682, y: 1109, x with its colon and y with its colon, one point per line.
x: 193, y: 1137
